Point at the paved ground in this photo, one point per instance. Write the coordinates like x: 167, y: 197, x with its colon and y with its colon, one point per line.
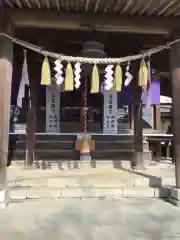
x: 90, y: 220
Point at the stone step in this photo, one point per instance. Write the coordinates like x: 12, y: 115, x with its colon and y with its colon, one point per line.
x: 80, y: 164
x: 63, y: 147
x: 72, y: 137
x: 118, y: 154
x: 70, y: 145
x: 52, y: 137
x: 23, y: 193
x: 120, y: 137
x: 47, y: 154
x: 113, y: 154
x: 51, y: 145
x: 61, y: 181
x: 69, y: 154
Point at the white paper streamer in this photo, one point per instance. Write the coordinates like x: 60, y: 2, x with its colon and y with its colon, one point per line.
x: 58, y: 68
x: 77, y: 76
x: 108, y: 84
x: 128, y: 75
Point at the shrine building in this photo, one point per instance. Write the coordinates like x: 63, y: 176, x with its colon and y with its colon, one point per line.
x: 55, y: 118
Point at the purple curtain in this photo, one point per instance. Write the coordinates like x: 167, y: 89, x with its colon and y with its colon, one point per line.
x: 154, y: 93
x: 14, y: 90
x: 125, y: 97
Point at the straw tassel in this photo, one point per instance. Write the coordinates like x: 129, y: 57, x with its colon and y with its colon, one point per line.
x: 143, y: 74
x: 69, y: 79
x: 45, y: 73
x: 148, y: 87
x: 118, y: 78
x: 95, y: 80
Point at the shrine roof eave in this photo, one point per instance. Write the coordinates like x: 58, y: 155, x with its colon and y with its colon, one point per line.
x: 149, y: 8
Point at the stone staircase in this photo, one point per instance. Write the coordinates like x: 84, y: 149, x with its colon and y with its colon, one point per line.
x: 100, y: 182
x: 117, y: 147
x: 62, y: 147
x: 49, y: 147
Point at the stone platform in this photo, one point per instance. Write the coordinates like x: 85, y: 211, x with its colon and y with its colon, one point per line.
x: 84, y: 182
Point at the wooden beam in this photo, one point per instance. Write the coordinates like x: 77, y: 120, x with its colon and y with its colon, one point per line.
x: 77, y: 5
x: 67, y: 4
x: 127, y: 5
x: 48, y: 4
x: 18, y: 2
x: 30, y: 136
x: 164, y: 9
x: 137, y: 161
x: 34, y: 78
x: 155, y: 8
x: 8, y: 2
x: 146, y: 6
x: 89, y: 21
x: 172, y: 10
x: 38, y: 3
x: 117, y: 6
x: 28, y: 3
x: 97, y: 5
x: 58, y: 5
x: 134, y: 9
x: 87, y: 5
x: 157, y: 117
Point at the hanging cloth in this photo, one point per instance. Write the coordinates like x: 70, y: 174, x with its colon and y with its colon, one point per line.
x: 95, y: 80
x: 45, y: 73
x: 24, y: 81
x: 69, y: 78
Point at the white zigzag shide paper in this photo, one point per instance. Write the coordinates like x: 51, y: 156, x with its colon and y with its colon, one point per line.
x: 58, y: 76
x: 77, y: 72
x: 108, y: 78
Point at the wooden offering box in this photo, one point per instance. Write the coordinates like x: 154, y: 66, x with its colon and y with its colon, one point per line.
x: 85, y: 146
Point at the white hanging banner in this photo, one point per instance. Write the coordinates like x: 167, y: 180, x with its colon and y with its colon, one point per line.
x: 110, y: 113
x: 52, y: 109
x: 24, y: 81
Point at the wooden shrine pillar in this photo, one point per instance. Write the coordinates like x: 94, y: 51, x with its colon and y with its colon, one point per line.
x: 30, y: 133
x: 6, y: 58
x: 157, y: 152
x: 175, y: 68
x: 34, y: 72
x: 137, y: 161
x: 157, y: 118
x: 131, y: 114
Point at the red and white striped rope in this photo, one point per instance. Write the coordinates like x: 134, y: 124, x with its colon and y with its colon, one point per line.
x: 85, y: 108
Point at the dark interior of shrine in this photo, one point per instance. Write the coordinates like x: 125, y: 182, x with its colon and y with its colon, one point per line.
x: 70, y: 43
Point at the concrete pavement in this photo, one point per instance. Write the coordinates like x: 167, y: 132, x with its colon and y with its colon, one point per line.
x: 90, y: 219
